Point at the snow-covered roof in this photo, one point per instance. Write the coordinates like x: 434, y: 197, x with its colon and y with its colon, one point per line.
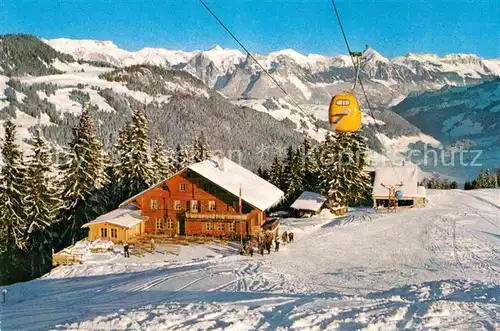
x: 127, y: 217
x: 230, y: 175
x: 408, y: 175
x: 309, y: 201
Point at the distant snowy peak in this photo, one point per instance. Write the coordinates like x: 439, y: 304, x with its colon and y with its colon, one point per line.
x: 70, y: 45
x: 224, y: 58
x: 372, y: 55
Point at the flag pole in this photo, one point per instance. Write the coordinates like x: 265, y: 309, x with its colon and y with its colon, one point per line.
x: 241, y: 220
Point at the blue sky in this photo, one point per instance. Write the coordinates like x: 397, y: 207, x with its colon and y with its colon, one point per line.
x: 393, y: 27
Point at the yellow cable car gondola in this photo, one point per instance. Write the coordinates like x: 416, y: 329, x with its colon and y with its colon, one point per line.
x: 344, y: 112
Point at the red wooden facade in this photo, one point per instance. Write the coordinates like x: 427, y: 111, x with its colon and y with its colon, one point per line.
x: 189, y: 204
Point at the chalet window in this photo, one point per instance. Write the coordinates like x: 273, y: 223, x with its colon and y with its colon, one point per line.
x: 154, y: 204
x: 207, y: 187
x: 158, y: 223
x: 177, y: 205
x: 170, y: 224
x: 209, y: 226
x: 195, y: 206
x: 211, y: 205
x: 104, y: 232
x: 221, y: 227
x: 114, y: 233
x: 236, y: 205
x: 232, y: 227
x: 182, y: 187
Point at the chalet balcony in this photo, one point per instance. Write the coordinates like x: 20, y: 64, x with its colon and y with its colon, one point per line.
x: 215, y: 216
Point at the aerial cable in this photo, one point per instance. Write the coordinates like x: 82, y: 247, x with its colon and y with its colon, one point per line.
x: 358, y: 77
x: 252, y: 57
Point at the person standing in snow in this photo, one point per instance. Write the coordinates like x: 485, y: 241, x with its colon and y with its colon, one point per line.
x: 276, y: 245
x: 284, y: 237
x: 153, y: 248
x: 268, y: 247
x: 250, y: 250
x: 290, y: 237
x: 261, y: 249
x: 125, y: 250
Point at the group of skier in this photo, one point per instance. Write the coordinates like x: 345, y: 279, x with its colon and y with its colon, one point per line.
x: 264, y: 242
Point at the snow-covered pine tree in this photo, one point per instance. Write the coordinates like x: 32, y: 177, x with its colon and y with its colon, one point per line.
x: 347, y: 169
x: 333, y: 176
x: 295, y: 178
x: 13, y: 223
x: 123, y: 147
x: 141, y: 171
x: 82, y: 174
x: 42, y: 205
x: 287, y: 169
x: 362, y: 181
x: 480, y: 180
x: 181, y: 160
x: 189, y: 154
x: 490, y: 180
x: 276, y: 173
x: 171, y: 161
x: 309, y: 168
x: 325, y: 156
x: 201, y: 149
x: 122, y: 169
x: 160, y: 161
x: 263, y: 173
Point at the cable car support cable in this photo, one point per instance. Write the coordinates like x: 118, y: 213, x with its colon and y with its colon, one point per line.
x: 357, y: 68
x: 252, y: 57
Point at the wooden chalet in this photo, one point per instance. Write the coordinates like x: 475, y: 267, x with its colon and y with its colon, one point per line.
x: 119, y: 225
x: 203, y: 199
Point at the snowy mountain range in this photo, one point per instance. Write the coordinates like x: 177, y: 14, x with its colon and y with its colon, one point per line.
x: 185, y: 90
x: 462, y: 118
x: 308, y: 78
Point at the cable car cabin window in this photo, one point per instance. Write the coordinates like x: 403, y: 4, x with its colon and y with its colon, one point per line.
x: 342, y: 102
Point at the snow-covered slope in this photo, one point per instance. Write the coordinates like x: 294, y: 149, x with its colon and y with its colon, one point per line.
x: 435, y: 268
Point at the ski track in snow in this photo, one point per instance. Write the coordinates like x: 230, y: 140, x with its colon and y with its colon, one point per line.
x: 431, y: 268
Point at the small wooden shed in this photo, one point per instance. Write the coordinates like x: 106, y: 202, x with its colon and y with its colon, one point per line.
x: 119, y: 225
x: 308, y: 203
